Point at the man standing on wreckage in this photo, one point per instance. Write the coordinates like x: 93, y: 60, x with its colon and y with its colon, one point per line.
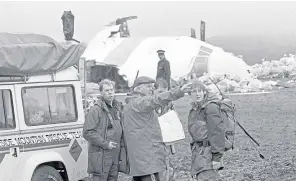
x: 163, y: 68
x: 145, y: 148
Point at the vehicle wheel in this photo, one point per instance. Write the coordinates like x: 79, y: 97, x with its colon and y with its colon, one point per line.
x: 46, y: 173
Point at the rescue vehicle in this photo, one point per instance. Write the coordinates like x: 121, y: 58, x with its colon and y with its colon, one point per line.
x: 41, y: 116
x: 41, y: 131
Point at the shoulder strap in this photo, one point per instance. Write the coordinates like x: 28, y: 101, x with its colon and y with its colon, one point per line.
x: 220, y: 109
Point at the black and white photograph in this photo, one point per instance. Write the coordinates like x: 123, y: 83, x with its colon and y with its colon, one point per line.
x: 148, y: 90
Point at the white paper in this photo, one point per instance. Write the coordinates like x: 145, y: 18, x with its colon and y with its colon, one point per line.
x: 171, y: 127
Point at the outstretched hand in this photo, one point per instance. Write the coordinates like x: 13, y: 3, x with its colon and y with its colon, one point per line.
x: 186, y: 87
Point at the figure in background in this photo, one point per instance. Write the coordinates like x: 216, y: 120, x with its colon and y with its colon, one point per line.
x: 163, y: 68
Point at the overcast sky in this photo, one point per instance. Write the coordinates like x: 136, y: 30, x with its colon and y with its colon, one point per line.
x: 154, y: 18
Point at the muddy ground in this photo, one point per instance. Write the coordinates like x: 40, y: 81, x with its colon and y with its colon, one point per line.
x: 271, y: 120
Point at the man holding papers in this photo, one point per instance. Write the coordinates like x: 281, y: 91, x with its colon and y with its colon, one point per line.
x: 145, y: 147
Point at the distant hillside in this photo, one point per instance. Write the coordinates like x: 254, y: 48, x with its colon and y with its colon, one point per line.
x: 256, y: 47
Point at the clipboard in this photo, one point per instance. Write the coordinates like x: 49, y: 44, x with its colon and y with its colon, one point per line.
x: 171, y: 127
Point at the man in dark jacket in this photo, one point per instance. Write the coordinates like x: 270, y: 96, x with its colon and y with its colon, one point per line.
x: 145, y: 147
x: 102, y: 129
x: 163, y: 68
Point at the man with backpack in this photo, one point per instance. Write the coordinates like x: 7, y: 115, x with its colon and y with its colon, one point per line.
x: 210, y: 128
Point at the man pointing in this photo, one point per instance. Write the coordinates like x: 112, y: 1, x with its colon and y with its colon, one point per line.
x: 145, y: 148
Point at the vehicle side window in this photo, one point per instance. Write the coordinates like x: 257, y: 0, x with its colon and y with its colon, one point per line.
x: 49, y: 105
x: 7, y: 120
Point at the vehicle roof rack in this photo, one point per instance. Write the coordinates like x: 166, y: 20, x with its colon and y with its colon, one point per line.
x: 14, y: 78
x: 22, y: 78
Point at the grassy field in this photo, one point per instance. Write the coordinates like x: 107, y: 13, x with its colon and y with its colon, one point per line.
x: 270, y: 119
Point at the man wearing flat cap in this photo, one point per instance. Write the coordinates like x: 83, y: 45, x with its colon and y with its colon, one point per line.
x: 145, y: 149
x: 163, y: 68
